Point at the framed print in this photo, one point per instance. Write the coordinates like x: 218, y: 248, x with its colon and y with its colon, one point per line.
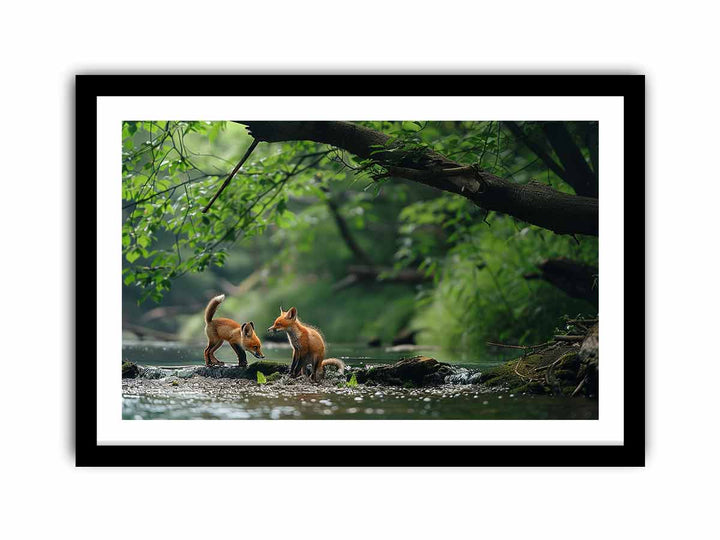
x: 406, y: 269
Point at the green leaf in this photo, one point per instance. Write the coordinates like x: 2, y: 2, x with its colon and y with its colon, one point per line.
x: 352, y: 382
x: 143, y: 241
x: 411, y: 126
x: 132, y: 255
x: 286, y: 219
x: 261, y: 378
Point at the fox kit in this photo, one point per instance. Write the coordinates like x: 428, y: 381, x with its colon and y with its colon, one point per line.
x: 307, y: 344
x: 241, y: 337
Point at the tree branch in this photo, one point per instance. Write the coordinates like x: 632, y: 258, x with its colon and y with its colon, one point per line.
x: 537, y: 149
x: 533, y: 202
x: 582, y: 178
x: 576, y: 279
x: 230, y: 176
x: 573, y: 168
x: 359, y: 273
x: 344, y: 230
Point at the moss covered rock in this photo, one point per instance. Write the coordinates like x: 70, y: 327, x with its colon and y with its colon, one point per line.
x: 558, y: 369
x: 417, y: 371
x: 266, y: 368
x: 551, y: 371
x: 239, y: 372
x: 130, y: 370
x: 221, y: 372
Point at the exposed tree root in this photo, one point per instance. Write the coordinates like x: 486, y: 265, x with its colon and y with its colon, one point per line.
x: 566, y: 366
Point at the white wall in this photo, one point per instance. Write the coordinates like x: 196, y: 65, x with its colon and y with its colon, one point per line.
x: 45, y: 45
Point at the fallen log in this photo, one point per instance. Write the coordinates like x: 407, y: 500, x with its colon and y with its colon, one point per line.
x: 415, y: 371
x: 142, y: 331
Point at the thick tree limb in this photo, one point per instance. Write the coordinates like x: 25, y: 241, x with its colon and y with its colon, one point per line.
x: 358, y: 273
x: 572, y: 168
x: 142, y: 331
x: 406, y: 275
x: 576, y: 279
x: 592, y: 142
x: 537, y: 149
x: 533, y: 202
x: 584, y: 181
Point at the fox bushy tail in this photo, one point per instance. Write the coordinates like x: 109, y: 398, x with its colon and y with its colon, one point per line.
x: 334, y: 362
x: 212, y: 307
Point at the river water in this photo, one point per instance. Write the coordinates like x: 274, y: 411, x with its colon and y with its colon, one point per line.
x: 175, y: 396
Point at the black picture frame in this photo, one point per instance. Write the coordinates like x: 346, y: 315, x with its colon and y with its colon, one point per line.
x: 630, y: 87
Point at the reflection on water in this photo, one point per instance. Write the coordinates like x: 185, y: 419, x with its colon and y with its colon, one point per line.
x: 165, y: 353
x: 177, y: 397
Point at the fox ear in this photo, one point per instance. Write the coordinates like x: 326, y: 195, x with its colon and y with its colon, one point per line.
x: 252, y: 325
x: 292, y: 313
x: 281, y: 309
x: 246, y: 329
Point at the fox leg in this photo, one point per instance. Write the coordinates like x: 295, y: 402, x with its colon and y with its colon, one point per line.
x: 305, y: 362
x: 214, y: 342
x: 294, y: 366
x: 241, y: 356
x: 300, y: 363
x: 211, y: 354
x: 317, y: 369
x: 206, y: 352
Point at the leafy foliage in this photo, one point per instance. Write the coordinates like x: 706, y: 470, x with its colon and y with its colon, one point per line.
x: 480, y: 291
x: 169, y: 177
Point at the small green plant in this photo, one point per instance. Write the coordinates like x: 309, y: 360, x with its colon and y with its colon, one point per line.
x: 261, y: 378
x: 352, y: 382
x: 174, y: 383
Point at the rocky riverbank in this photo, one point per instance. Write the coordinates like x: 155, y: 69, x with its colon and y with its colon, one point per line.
x: 562, y: 367
x: 548, y: 381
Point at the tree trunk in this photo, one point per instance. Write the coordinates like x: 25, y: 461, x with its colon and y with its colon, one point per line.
x: 534, y: 202
x: 345, y: 232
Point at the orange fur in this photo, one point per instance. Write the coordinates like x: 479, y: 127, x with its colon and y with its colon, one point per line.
x: 241, y: 337
x: 308, y: 345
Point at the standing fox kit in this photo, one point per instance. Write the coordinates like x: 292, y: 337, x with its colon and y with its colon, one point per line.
x: 241, y: 337
x: 307, y: 344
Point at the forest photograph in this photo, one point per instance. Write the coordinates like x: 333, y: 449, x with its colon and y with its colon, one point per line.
x: 370, y: 270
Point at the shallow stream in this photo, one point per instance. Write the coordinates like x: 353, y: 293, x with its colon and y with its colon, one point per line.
x: 176, y: 396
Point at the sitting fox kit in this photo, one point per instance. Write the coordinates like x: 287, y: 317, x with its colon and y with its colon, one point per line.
x: 241, y: 337
x: 307, y: 344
